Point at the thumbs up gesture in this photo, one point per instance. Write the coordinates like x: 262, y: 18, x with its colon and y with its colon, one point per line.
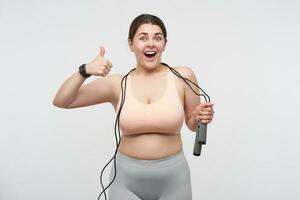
x: 99, y: 66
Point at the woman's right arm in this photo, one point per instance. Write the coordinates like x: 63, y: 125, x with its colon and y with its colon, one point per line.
x: 72, y: 94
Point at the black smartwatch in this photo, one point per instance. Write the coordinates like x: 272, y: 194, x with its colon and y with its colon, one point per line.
x: 83, y: 72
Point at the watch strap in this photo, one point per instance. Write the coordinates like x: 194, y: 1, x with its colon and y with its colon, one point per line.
x: 82, y: 71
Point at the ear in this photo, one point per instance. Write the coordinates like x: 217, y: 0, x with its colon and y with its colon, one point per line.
x: 130, y: 45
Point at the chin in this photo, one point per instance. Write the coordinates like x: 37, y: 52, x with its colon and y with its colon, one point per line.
x: 150, y: 65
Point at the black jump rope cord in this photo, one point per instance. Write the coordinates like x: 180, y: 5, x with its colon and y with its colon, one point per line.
x: 205, y: 96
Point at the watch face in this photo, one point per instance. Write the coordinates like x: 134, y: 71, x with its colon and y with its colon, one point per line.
x: 81, y: 68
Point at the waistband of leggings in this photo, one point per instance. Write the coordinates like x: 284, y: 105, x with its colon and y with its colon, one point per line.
x: 134, y: 162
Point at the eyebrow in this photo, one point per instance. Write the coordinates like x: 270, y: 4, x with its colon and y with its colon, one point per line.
x: 143, y: 33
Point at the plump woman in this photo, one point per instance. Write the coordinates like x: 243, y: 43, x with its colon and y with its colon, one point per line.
x: 151, y: 163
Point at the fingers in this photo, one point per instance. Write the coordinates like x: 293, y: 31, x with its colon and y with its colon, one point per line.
x: 204, y: 113
x: 99, y: 66
x: 106, y: 68
x: 102, y: 51
x: 204, y: 119
x: 109, y: 64
x: 205, y: 105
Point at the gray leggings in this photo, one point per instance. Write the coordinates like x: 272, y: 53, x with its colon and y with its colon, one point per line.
x: 163, y: 179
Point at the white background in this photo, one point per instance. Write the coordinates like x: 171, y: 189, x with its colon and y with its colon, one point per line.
x: 244, y: 54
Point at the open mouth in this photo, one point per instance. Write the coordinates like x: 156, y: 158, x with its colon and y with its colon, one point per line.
x: 150, y: 54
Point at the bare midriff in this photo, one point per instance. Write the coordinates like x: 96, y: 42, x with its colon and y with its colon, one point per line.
x: 150, y: 146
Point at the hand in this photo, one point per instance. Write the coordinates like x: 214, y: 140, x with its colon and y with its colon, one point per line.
x: 204, y: 113
x: 99, y: 66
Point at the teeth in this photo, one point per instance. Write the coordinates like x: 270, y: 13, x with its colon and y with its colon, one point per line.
x: 150, y: 52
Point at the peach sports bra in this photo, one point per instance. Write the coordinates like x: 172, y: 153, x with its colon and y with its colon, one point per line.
x: 165, y: 115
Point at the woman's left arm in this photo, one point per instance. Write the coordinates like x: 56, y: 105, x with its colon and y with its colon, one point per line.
x: 195, y: 111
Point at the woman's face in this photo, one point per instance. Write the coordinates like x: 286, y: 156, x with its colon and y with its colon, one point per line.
x: 148, y: 44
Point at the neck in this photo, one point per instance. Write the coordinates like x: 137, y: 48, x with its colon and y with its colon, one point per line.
x: 143, y: 71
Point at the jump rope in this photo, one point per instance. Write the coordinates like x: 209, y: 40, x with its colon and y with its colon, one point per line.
x: 200, y: 138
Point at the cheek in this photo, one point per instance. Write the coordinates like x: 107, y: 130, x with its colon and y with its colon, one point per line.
x: 161, y: 46
x: 138, y: 48
x: 138, y: 52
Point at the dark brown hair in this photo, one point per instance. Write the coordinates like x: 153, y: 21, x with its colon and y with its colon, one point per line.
x: 146, y: 19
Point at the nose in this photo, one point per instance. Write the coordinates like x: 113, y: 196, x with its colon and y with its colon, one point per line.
x: 150, y: 43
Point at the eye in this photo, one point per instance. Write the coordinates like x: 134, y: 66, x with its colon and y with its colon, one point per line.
x: 158, y: 38
x: 143, y: 38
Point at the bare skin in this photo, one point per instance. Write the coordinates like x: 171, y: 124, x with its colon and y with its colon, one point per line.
x: 149, y: 145
x: 148, y: 86
x: 72, y: 94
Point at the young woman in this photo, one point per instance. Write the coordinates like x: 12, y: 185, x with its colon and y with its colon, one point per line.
x: 150, y: 160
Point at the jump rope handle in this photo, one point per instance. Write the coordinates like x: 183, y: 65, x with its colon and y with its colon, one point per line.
x: 200, y: 138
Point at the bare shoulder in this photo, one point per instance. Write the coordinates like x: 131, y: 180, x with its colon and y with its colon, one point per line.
x: 116, y: 77
x: 188, y: 73
x: 185, y: 71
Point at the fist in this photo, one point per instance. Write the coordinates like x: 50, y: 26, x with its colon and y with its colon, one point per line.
x: 99, y: 66
x: 204, y: 113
